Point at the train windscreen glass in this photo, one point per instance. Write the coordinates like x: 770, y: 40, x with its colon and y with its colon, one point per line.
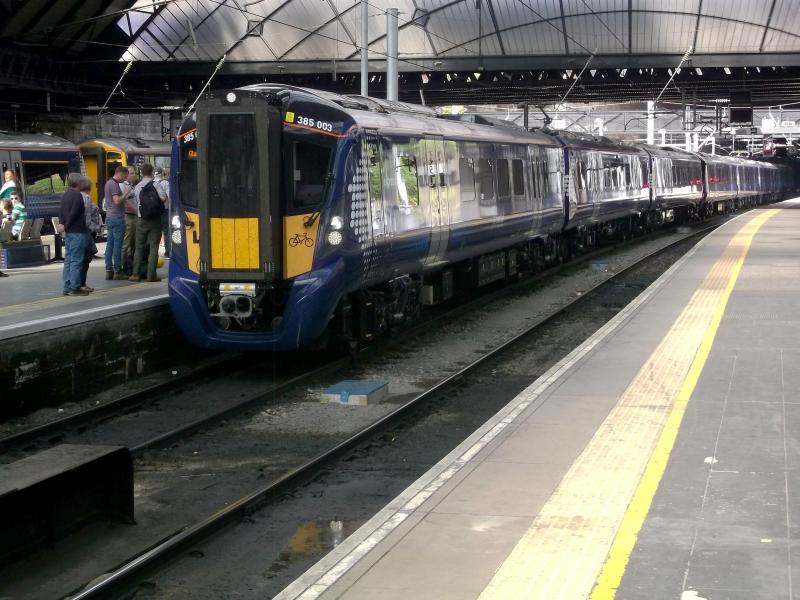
x: 187, y: 181
x: 312, y: 166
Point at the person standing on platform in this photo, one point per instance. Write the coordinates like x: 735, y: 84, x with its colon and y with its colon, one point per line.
x: 161, y: 180
x: 92, y: 218
x: 129, y: 241
x: 148, y: 229
x: 115, y: 223
x: 73, y: 226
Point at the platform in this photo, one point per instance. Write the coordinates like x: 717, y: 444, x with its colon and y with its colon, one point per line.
x: 658, y: 460
x: 57, y: 348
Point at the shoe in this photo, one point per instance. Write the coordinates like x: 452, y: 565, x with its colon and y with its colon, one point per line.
x: 86, y: 288
x: 109, y: 274
x: 120, y: 276
x: 3, y: 274
x: 154, y: 279
x: 134, y: 278
x: 78, y: 292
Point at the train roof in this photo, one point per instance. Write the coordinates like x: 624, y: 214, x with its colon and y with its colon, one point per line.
x: 670, y: 151
x: 586, y: 141
x: 734, y: 160
x: 131, y: 145
x: 405, y: 119
x: 34, y: 141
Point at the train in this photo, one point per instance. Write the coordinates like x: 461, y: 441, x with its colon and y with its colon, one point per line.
x: 102, y: 155
x: 302, y: 217
x: 41, y: 163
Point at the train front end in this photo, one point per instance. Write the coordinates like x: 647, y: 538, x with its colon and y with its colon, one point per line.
x: 255, y: 232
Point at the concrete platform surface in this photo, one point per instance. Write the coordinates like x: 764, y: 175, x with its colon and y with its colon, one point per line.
x: 32, y: 300
x: 658, y: 460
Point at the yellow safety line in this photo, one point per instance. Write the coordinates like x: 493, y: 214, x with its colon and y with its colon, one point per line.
x: 625, y: 540
x: 590, y: 523
x: 71, y: 301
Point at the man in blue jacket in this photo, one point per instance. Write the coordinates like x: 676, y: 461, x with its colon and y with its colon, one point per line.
x: 73, y: 225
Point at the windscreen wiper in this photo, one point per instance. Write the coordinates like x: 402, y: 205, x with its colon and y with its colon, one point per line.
x: 312, y: 218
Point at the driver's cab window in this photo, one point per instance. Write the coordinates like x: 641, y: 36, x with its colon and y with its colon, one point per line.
x: 311, y: 167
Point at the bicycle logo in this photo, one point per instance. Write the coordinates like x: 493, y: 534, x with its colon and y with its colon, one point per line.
x: 298, y: 239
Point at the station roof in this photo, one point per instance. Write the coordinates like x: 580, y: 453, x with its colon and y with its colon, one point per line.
x: 70, y: 53
x: 305, y: 36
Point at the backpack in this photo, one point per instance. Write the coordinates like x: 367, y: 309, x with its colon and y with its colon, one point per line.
x: 150, y: 205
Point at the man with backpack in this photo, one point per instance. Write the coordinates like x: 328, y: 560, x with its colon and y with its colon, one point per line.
x: 150, y: 199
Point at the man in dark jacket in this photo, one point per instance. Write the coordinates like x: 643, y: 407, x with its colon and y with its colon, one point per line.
x: 73, y: 225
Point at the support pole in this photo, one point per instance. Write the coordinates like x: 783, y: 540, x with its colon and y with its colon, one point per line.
x: 525, y: 117
x: 651, y: 122
x: 364, y: 47
x: 391, y: 54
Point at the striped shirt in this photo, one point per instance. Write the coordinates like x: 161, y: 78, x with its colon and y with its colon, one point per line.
x: 18, y: 215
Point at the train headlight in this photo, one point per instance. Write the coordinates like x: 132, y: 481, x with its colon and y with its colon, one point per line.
x: 230, y: 97
x: 176, y: 222
x: 334, y: 238
x: 337, y: 223
x: 177, y: 238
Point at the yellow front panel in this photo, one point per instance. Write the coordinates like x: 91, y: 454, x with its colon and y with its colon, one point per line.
x: 91, y: 171
x: 228, y: 259
x: 299, y: 244
x: 234, y: 244
x: 192, y: 231
x: 254, y: 242
x: 215, y: 229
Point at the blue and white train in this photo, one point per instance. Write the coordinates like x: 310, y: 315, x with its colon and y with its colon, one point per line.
x: 299, y: 215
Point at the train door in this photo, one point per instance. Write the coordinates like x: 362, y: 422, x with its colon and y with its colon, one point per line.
x: 92, y: 171
x: 435, y: 180
x: 238, y: 188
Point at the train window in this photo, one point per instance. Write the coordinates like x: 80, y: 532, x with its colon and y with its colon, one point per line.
x: 503, y: 183
x: 188, y: 179
x: 312, y: 167
x: 43, y: 179
x: 518, y: 177
x: 485, y: 181
x: 233, y: 181
x: 375, y: 186
x: 466, y: 169
x: 407, y: 185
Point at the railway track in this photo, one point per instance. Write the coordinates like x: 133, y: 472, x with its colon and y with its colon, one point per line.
x: 140, y: 566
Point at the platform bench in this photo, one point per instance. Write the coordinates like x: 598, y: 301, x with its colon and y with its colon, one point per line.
x: 27, y: 253
x: 51, y: 494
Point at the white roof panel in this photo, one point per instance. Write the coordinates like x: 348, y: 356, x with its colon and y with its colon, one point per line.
x: 308, y: 30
